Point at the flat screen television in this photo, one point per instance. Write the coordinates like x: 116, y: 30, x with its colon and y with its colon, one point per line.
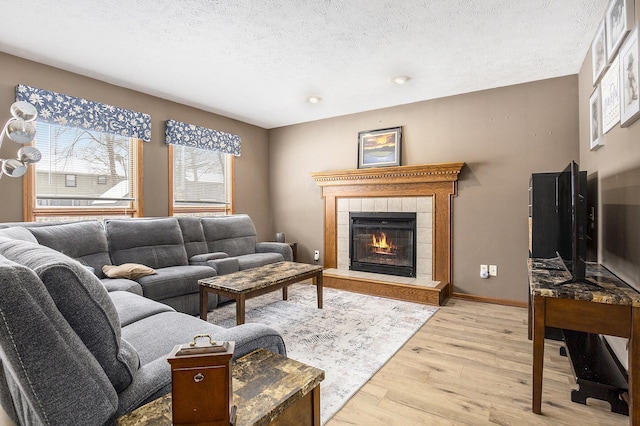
x: 571, y: 206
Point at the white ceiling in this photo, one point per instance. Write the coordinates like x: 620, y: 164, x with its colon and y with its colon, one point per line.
x: 259, y: 60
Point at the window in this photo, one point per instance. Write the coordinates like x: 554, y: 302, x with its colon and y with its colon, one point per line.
x: 70, y: 181
x: 83, y: 174
x: 200, y: 180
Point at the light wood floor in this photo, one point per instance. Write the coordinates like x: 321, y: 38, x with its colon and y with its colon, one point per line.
x: 470, y: 364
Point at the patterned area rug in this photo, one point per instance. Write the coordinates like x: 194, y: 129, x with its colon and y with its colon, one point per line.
x: 350, y: 339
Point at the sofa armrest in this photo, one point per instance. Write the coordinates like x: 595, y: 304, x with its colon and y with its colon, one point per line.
x: 122, y: 284
x: 224, y: 266
x: 199, y: 259
x: 270, y: 247
x: 51, y: 375
x: 251, y: 336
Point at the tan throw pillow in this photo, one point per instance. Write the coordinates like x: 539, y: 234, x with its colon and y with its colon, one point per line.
x: 127, y: 270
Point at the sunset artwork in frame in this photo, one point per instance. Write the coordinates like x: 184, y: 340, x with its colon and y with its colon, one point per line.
x: 380, y: 148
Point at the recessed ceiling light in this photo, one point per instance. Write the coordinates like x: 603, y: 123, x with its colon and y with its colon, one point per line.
x: 401, y: 79
x: 314, y: 99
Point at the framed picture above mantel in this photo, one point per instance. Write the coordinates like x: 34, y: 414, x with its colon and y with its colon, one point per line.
x: 380, y: 148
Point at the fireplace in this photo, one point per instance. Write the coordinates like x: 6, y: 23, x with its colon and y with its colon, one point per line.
x: 383, y: 242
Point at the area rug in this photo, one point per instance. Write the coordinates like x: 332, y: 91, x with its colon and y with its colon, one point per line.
x: 350, y: 339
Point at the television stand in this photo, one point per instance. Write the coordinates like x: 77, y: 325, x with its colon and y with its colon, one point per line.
x: 583, y: 281
x: 596, y: 372
x: 613, y: 310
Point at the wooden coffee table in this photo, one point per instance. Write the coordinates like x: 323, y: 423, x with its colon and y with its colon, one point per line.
x: 243, y: 285
x: 268, y: 389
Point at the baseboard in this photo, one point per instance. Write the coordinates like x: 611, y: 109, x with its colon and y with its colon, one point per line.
x: 493, y: 300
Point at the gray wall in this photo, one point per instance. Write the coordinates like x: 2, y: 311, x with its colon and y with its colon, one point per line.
x: 617, y: 165
x: 251, y: 168
x: 617, y: 168
x: 503, y: 135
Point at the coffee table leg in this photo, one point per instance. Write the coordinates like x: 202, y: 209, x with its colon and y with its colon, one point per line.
x: 204, y: 303
x: 240, y: 309
x: 318, y: 280
x: 285, y: 293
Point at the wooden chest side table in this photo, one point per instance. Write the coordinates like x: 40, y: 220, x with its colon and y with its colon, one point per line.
x: 268, y: 389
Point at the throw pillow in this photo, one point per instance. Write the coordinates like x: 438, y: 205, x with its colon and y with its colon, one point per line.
x: 127, y: 270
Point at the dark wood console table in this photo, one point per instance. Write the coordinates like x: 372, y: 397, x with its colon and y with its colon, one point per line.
x: 613, y: 310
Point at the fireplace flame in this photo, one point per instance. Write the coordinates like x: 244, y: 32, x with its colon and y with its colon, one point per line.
x: 380, y: 244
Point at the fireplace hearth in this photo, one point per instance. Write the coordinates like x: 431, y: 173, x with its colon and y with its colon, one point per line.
x: 383, y: 242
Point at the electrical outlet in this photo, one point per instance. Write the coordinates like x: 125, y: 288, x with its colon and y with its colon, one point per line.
x: 493, y: 270
x: 484, y: 271
x: 316, y: 255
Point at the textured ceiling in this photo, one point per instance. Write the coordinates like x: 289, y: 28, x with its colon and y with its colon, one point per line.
x: 259, y: 60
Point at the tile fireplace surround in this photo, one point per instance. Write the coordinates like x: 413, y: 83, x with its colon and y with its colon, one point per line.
x: 424, y: 189
x: 422, y: 206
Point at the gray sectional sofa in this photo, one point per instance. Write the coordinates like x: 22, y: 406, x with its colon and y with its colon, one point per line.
x: 180, y: 250
x: 80, y: 348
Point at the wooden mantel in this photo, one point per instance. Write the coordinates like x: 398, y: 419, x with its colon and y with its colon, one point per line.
x: 436, y: 180
x: 443, y: 172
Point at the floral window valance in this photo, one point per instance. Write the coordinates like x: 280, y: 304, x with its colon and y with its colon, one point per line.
x: 65, y: 110
x: 179, y: 133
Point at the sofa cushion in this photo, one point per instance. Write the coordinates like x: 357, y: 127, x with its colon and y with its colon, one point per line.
x: 174, y: 281
x: 156, y: 243
x: 234, y: 235
x: 83, y: 302
x: 127, y: 270
x: 84, y: 241
x: 18, y: 233
x: 175, y: 328
x: 132, y: 308
x: 192, y: 235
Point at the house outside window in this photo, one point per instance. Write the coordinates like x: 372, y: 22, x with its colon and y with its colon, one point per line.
x: 84, y: 138
x: 201, y: 181
x: 200, y: 169
x: 83, y: 174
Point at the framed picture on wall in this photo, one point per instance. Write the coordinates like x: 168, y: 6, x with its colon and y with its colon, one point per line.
x: 595, y: 112
x: 619, y: 18
x: 599, y: 53
x: 629, y: 69
x: 380, y: 148
x: 610, y: 95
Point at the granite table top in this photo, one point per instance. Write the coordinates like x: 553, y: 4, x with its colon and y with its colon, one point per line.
x: 264, y: 384
x: 547, y: 275
x: 265, y: 276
